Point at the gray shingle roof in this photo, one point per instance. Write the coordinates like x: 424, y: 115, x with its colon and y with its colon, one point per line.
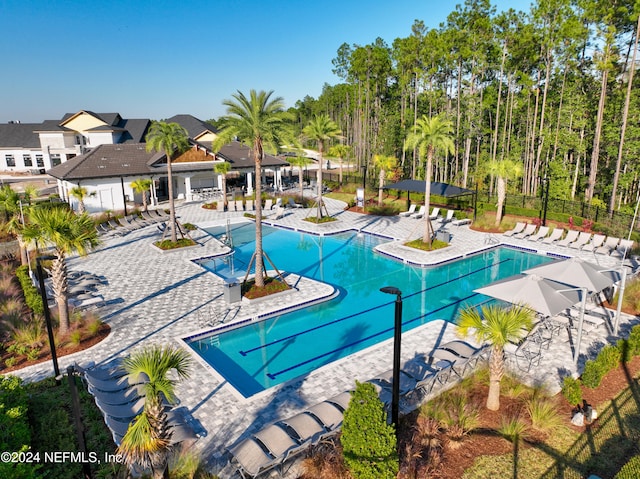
x: 19, y: 135
x: 193, y: 125
x: 239, y: 155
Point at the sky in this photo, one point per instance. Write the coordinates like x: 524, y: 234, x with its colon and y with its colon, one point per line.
x: 159, y: 58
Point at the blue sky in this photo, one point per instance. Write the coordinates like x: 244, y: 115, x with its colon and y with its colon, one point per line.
x: 157, y: 58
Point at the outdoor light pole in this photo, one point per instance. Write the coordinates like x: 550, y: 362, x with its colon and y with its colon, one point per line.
x: 397, y: 336
x: 545, y: 199
x: 364, y: 177
x: 47, y: 316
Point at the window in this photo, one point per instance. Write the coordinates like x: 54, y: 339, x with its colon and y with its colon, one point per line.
x: 55, y: 159
x: 11, y: 161
x: 39, y: 161
x: 27, y: 160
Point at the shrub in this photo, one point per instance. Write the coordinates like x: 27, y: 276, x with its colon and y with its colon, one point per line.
x: 11, y: 362
x: 93, y: 326
x: 609, y: 357
x: 455, y: 414
x: 513, y: 428
x: 593, y: 374
x: 369, y: 442
x: 75, y: 338
x: 31, y: 295
x: 33, y: 354
x: 572, y: 390
x: 544, y: 414
x: 631, y: 470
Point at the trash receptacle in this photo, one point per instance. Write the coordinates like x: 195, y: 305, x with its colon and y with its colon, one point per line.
x: 232, y: 291
x: 444, y: 236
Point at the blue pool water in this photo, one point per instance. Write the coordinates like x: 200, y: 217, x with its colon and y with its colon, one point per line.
x: 260, y: 355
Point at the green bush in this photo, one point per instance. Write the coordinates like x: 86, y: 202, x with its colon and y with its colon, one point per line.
x: 593, y: 373
x: 609, y: 357
x: 572, y: 390
x: 631, y: 470
x: 31, y: 294
x: 633, y: 341
x: 369, y: 443
x: 15, y: 435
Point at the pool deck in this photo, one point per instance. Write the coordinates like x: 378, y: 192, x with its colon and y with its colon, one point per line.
x: 155, y: 297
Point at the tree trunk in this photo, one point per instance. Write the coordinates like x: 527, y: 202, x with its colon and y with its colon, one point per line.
x: 259, y: 269
x: 426, y: 238
x: 59, y: 284
x: 319, y: 181
x: 496, y: 370
x: 172, y: 206
x: 502, y: 194
x: 380, y: 186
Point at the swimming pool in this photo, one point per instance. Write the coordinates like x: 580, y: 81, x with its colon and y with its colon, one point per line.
x: 263, y: 354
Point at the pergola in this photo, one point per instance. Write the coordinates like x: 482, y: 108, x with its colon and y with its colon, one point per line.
x: 437, y: 188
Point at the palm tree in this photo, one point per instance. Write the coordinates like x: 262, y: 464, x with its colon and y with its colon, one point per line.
x: 222, y: 169
x: 385, y: 164
x: 142, y: 186
x: 321, y: 129
x: 429, y: 135
x: 300, y: 161
x: 68, y: 233
x: 80, y: 193
x: 261, y: 123
x: 340, y: 152
x: 147, y: 441
x: 497, y: 326
x: 13, y: 213
x: 504, y: 170
x: 169, y: 138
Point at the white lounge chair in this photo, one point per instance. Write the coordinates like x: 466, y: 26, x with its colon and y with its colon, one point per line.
x: 249, y: 205
x: 595, y: 243
x: 293, y: 204
x: 623, y: 248
x: 449, y: 217
x: 518, y: 228
x: 278, y: 214
x: 609, y: 245
x: 542, y: 232
x: 583, y: 239
x: 419, y: 214
x: 572, y: 235
x: 528, y: 231
x: 251, y: 459
x: 409, y: 212
x: 434, y: 214
x: 555, y: 235
x: 268, y: 204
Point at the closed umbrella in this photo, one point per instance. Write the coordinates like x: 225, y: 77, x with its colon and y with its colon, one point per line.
x: 545, y: 296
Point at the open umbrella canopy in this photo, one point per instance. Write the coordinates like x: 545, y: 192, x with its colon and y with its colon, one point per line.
x: 578, y: 273
x: 545, y: 296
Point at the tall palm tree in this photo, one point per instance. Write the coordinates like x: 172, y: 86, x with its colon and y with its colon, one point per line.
x: 300, y: 161
x: 261, y: 123
x: 147, y: 441
x: 321, y: 129
x: 142, y: 186
x: 385, y: 164
x: 429, y: 135
x: 497, y: 326
x: 222, y: 169
x: 503, y: 170
x: 340, y: 152
x: 80, y: 193
x: 14, y: 216
x: 68, y: 233
x: 168, y: 138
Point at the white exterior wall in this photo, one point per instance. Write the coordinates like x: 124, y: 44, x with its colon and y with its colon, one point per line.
x: 18, y: 156
x: 108, y: 194
x: 102, y: 138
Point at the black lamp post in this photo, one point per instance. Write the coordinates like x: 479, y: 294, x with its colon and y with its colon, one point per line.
x: 545, y: 199
x: 47, y: 315
x: 397, y: 336
x: 364, y: 177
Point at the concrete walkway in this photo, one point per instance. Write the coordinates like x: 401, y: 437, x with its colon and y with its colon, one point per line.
x: 155, y: 297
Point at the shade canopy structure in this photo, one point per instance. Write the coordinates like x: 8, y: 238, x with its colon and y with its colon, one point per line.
x: 437, y: 188
x: 577, y: 273
x: 543, y: 295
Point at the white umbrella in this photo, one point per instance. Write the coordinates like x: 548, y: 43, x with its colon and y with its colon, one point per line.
x: 542, y: 295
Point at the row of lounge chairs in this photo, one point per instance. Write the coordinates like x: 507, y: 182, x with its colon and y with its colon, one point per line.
x: 275, y: 444
x: 129, y: 223
x: 580, y: 240
x: 249, y: 205
x: 435, y: 213
x: 121, y: 399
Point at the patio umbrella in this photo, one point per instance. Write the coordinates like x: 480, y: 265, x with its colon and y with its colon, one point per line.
x: 579, y: 274
x: 542, y: 295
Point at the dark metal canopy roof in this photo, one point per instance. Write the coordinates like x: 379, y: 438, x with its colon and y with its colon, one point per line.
x: 437, y: 188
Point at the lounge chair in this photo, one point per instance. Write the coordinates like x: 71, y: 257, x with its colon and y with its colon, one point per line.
x: 328, y: 414
x: 278, y: 202
x: 468, y: 354
x: 572, y: 235
x: 86, y: 301
x: 434, y: 214
x: 147, y: 216
x: 116, y: 384
x: 251, y: 459
x: 518, y: 228
x: 555, y: 235
x: 609, y: 245
x: 304, y: 427
x: 249, y: 205
x: 623, y: 248
x: 220, y: 205
x: 268, y: 204
x: 180, y: 431
x: 162, y: 214
x: 595, y: 243
x: 124, y: 396
x: 122, y: 411
x: 527, y: 353
x: 528, y: 231
x: 409, y: 212
x: 385, y: 381
x: 276, y: 439
x: 278, y: 214
x: 540, y: 234
x: 419, y: 214
x: 583, y: 239
x: 449, y: 217
x: 293, y: 204
x: 341, y: 400
x: 444, y: 359
x: 425, y: 374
